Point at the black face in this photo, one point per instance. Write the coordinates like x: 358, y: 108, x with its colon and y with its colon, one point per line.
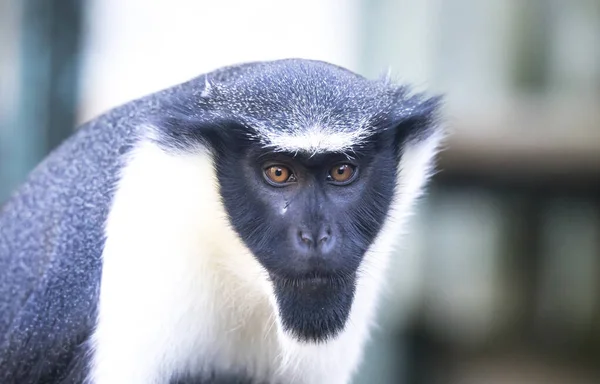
x: 309, y: 220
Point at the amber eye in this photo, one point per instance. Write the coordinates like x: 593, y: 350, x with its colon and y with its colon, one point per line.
x: 279, y: 174
x: 342, y: 173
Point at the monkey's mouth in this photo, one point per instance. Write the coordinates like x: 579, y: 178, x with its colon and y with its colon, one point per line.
x: 305, y: 280
x: 314, y: 308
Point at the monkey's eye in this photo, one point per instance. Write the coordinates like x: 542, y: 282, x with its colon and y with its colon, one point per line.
x: 342, y: 173
x: 279, y: 175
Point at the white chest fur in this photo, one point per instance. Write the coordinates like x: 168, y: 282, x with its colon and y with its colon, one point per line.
x: 181, y: 295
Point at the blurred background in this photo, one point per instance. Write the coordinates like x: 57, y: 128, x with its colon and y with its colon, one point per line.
x: 498, y: 281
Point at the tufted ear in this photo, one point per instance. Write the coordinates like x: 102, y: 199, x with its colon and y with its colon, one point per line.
x: 418, y: 120
x: 180, y: 131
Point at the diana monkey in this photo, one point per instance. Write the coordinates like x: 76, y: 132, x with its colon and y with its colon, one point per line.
x: 231, y: 229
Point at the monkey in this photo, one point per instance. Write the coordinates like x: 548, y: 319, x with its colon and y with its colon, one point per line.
x: 234, y: 228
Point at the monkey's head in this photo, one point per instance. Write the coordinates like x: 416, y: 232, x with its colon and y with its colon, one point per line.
x: 309, y: 162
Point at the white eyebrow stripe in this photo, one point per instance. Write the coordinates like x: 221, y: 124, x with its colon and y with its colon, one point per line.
x: 315, y: 140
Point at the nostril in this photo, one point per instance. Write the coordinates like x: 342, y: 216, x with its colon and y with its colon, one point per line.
x: 305, y: 238
x: 321, y: 240
x: 324, y: 236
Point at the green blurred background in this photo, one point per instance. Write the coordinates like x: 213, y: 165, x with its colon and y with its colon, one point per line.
x: 498, y: 280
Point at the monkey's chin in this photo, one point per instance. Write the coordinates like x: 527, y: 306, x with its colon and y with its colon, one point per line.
x: 314, y: 309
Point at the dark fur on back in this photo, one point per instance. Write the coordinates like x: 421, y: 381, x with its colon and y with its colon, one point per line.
x: 51, y: 241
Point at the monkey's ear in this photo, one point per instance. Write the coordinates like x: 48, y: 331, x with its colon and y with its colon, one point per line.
x: 418, y: 120
x: 185, y: 131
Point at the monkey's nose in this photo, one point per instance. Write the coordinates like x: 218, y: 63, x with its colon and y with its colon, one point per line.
x: 306, y: 238
x: 321, y: 240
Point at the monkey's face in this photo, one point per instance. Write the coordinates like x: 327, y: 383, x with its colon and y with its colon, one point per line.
x: 309, y: 219
x: 307, y: 158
